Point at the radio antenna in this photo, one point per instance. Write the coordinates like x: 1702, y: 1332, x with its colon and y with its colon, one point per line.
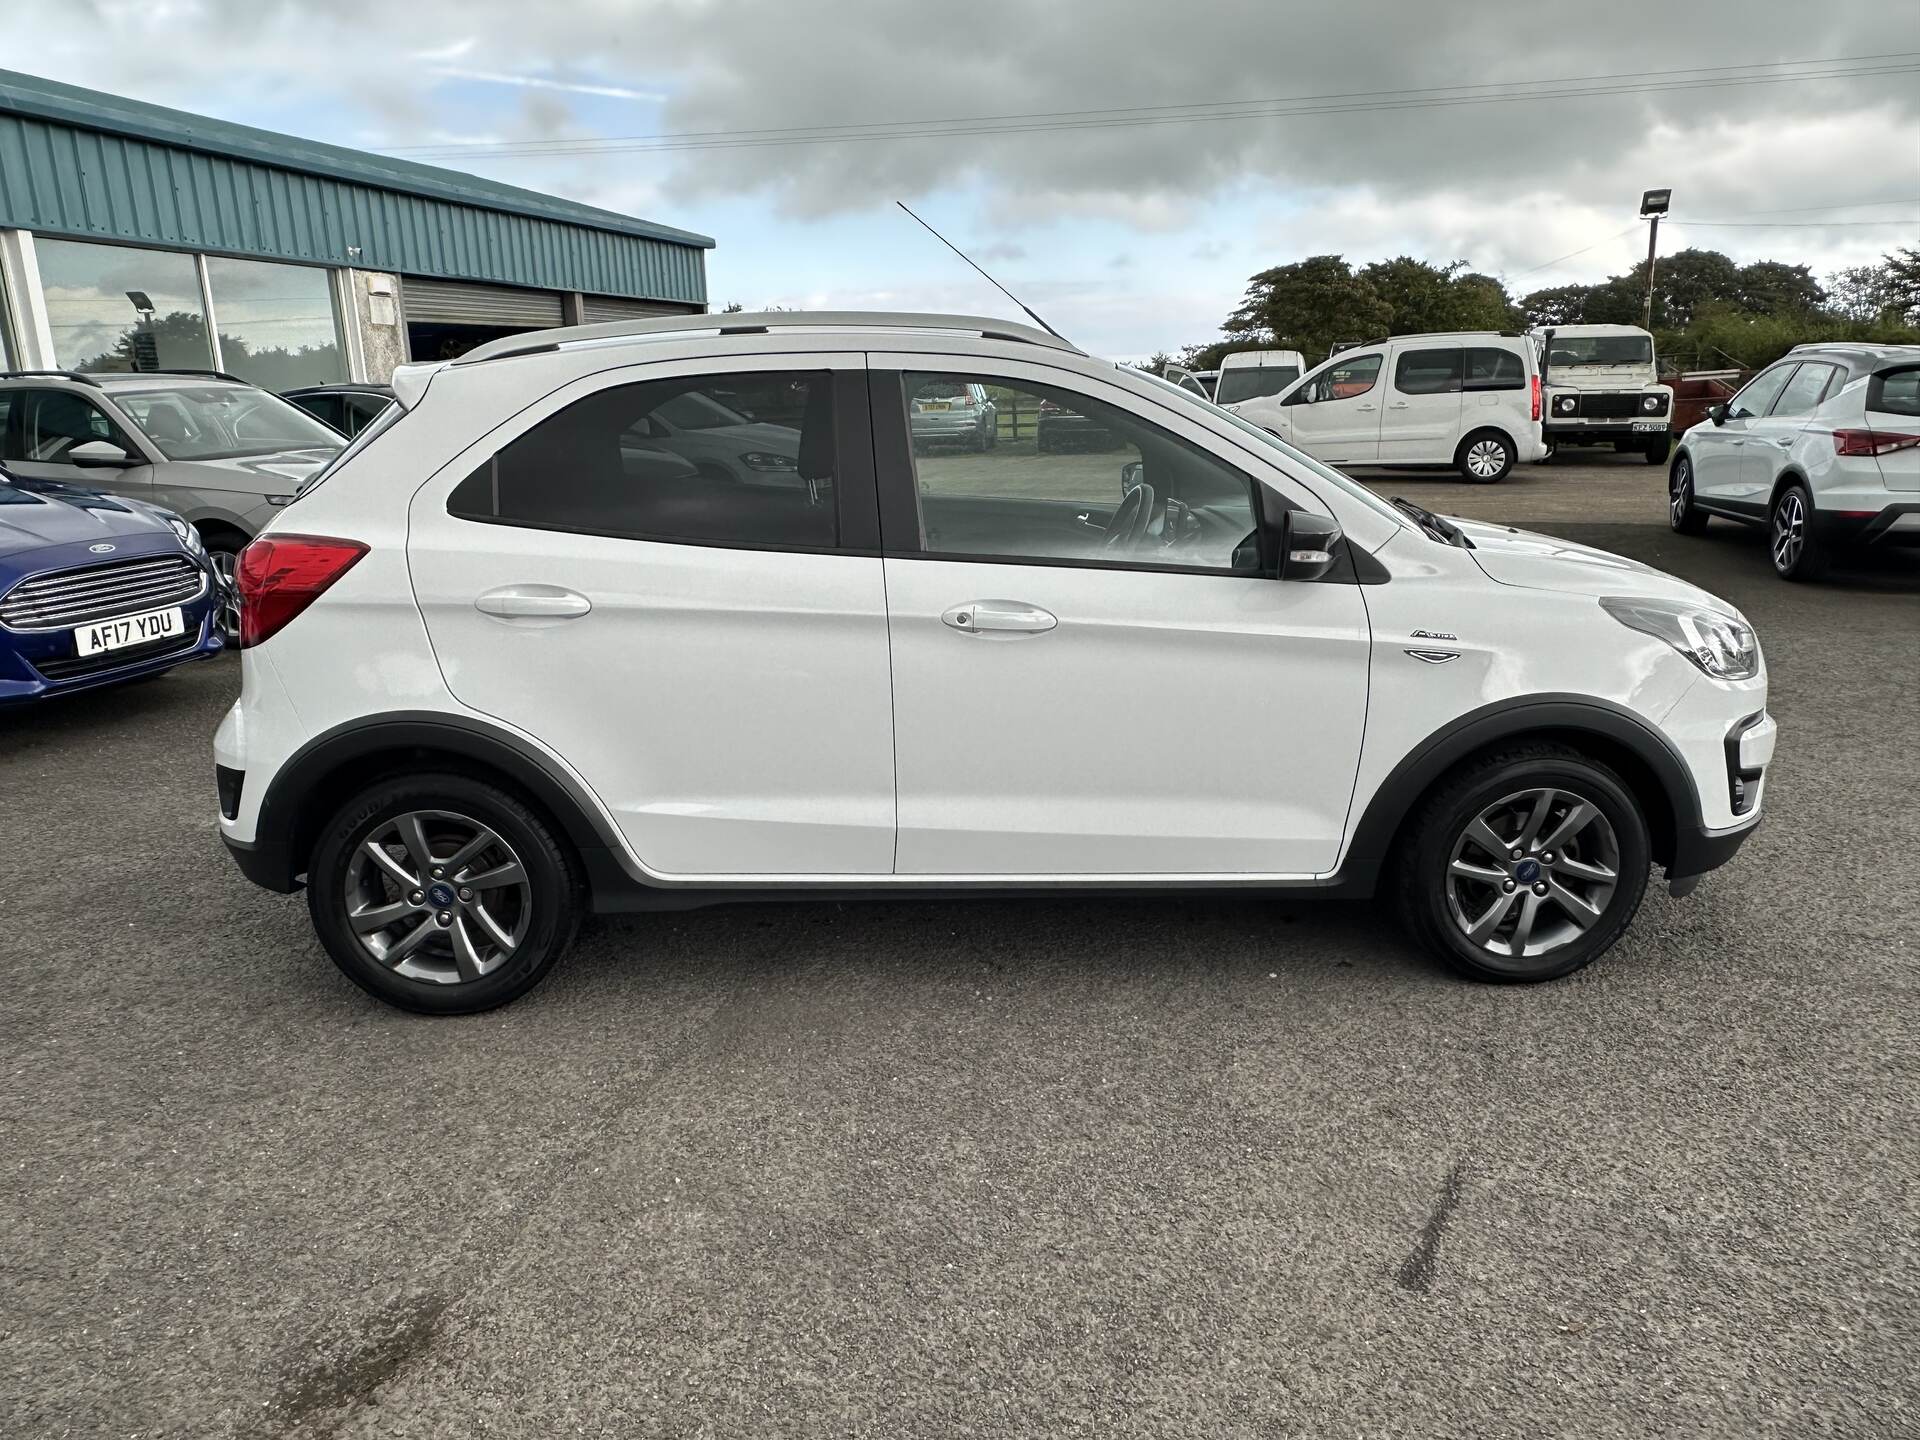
x: 988, y: 278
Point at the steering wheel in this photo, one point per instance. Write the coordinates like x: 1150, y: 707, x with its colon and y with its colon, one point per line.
x: 1130, y: 522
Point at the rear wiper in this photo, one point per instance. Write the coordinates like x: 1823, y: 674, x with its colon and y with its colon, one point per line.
x: 1438, y: 526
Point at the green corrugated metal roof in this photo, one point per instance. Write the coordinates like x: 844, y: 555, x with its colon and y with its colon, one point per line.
x: 80, y: 163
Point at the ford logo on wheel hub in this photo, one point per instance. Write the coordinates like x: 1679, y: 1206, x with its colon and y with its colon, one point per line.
x: 441, y: 895
x: 1527, y: 871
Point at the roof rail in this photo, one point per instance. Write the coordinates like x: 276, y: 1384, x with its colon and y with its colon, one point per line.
x: 81, y: 376
x: 761, y: 323
x: 170, y: 370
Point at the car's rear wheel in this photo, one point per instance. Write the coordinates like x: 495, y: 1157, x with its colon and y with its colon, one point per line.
x: 1683, y: 514
x: 1656, y: 450
x: 442, y: 894
x: 1797, y: 552
x: 223, y: 553
x: 1484, y: 457
x: 1524, y: 866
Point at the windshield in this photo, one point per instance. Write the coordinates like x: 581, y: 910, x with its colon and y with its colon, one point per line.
x: 218, y: 422
x: 1351, y: 488
x: 1253, y: 382
x: 1601, y: 350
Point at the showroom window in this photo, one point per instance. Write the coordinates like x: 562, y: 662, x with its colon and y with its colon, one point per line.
x: 276, y: 322
x: 112, y: 307
x: 742, y: 459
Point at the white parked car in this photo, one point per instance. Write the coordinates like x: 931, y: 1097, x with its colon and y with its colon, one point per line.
x: 1256, y: 374
x: 1822, y: 447
x: 502, y: 666
x: 1470, y: 400
x: 1603, y: 388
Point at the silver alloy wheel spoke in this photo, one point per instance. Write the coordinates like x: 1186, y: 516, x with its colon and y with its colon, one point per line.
x: 444, y: 928
x: 1532, y: 873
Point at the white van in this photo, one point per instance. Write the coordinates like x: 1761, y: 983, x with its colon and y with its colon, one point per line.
x: 1470, y: 399
x: 1255, y: 375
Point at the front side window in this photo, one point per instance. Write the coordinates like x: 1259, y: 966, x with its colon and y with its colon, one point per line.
x: 1075, y: 479
x: 115, y: 308
x: 1760, y: 393
x: 1254, y: 382
x: 52, y: 422
x: 1803, y: 391
x: 1490, y: 369
x: 746, y: 459
x: 1347, y: 378
x: 1427, y: 372
x: 221, y: 422
x: 277, y: 326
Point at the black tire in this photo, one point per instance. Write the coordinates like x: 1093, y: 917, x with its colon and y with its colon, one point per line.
x: 1807, y: 558
x: 1421, y: 880
x: 555, y: 895
x: 1482, y: 445
x: 1683, y: 514
x: 1657, y: 449
x: 223, y: 549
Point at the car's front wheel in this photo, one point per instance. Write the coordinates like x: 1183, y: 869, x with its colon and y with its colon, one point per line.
x: 1797, y: 551
x: 1527, y: 865
x: 223, y: 554
x: 1683, y: 514
x: 442, y: 894
x: 1484, y: 457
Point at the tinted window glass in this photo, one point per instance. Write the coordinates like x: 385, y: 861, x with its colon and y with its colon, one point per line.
x: 1067, y: 477
x: 1761, y: 393
x: 1803, y: 391
x: 362, y: 408
x: 52, y: 422
x: 1895, y: 392
x: 1253, y: 382
x: 733, y: 459
x: 323, y: 407
x: 1490, y: 369
x: 1427, y: 372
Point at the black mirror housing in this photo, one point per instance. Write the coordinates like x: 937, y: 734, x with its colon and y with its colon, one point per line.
x: 1717, y: 413
x: 1310, y: 546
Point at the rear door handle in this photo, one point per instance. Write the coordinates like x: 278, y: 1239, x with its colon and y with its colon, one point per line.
x: 533, y: 602
x: 1396, y: 405
x: 1001, y: 617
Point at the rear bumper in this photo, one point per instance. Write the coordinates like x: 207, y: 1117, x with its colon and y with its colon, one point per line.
x: 1895, y: 526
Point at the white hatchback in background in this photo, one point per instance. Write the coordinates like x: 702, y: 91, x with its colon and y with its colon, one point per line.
x: 1821, y: 447
x: 1470, y: 400
x: 517, y: 658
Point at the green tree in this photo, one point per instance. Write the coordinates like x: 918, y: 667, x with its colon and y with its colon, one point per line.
x: 1773, y: 287
x: 1426, y: 298
x: 1307, y: 306
x: 1556, y: 305
x: 1887, y: 291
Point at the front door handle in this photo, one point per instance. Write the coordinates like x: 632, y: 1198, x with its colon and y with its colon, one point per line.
x: 533, y: 602
x: 1368, y: 406
x: 999, y: 617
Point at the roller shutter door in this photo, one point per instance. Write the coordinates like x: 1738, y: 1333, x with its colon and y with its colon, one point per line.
x: 458, y: 302
x: 595, y: 309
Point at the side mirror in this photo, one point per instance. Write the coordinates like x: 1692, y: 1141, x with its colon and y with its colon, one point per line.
x: 102, y: 454
x: 1131, y: 474
x: 1309, y: 545
x: 1717, y: 414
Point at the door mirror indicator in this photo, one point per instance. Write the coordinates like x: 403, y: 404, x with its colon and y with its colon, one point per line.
x: 1309, y: 545
x: 99, y: 453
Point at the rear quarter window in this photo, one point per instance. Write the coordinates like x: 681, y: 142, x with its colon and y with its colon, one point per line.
x: 1895, y: 392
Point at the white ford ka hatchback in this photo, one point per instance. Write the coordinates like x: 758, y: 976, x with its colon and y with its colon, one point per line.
x: 675, y: 613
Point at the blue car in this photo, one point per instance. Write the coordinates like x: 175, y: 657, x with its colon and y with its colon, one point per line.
x: 96, y: 590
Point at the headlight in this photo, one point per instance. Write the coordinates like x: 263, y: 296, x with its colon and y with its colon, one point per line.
x: 762, y: 460
x: 189, y: 536
x: 1650, y: 404
x: 1723, y: 646
x: 1565, y: 404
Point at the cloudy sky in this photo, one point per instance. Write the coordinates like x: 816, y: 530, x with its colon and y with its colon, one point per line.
x: 1123, y: 165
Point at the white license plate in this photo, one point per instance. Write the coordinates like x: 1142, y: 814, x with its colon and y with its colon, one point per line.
x: 1649, y: 424
x: 141, y: 629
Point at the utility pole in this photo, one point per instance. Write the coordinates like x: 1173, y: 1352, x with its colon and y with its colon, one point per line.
x: 1653, y: 204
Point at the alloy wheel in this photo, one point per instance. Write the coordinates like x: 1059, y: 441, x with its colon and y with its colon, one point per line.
x: 1532, y: 873
x: 1680, y: 499
x: 226, y: 611
x: 437, y: 896
x: 1486, y: 458
x: 1789, y: 532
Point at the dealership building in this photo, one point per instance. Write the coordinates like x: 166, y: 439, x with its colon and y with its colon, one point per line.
x: 134, y: 237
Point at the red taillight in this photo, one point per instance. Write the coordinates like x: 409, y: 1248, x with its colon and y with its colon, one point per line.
x: 280, y: 575
x: 1536, y: 397
x: 1871, y: 442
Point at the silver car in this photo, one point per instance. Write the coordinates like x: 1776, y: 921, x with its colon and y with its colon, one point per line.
x: 222, y: 453
x: 953, y: 412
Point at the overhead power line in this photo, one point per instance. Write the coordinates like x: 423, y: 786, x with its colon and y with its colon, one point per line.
x: 1852, y: 67
x: 1571, y: 254
x: 1787, y: 224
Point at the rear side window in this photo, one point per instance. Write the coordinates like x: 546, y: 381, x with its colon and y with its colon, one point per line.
x: 1895, y: 392
x: 745, y: 459
x: 1427, y: 372
x: 1490, y: 369
x: 1804, y: 390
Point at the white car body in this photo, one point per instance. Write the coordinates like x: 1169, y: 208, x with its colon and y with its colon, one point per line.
x: 708, y: 721
x: 1419, y: 400
x: 1249, y: 376
x: 1837, y: 423
x: 1603, y: 387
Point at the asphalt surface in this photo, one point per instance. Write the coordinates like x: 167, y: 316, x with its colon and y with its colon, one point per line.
x: 1163, y: 1168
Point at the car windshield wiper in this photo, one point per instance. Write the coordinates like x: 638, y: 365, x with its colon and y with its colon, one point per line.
x: 1438, y: 526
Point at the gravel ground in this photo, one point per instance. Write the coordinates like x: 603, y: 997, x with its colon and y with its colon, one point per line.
x: 1169, y: 1168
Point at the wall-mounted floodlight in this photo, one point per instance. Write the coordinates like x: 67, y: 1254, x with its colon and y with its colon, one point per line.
x: 1654, y: 202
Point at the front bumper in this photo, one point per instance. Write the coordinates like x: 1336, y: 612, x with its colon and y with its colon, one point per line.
x: 22, y: 682
x: 1577, y: 431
